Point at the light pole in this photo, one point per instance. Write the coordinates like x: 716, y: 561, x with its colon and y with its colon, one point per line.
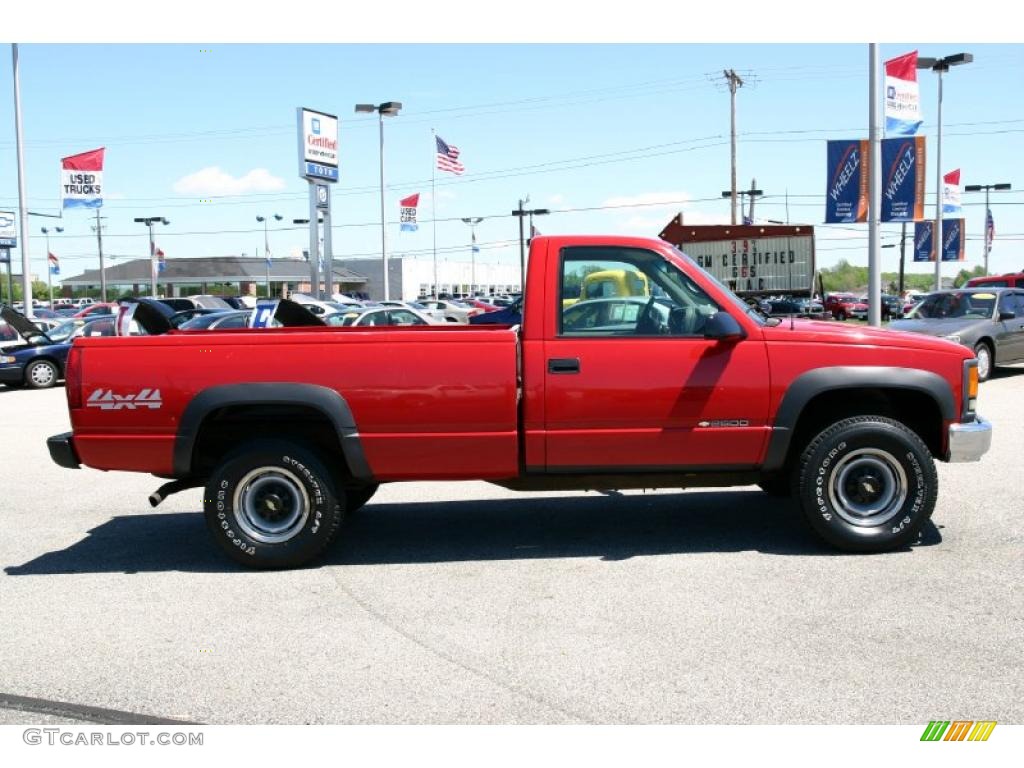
x: 520, y: 213
x: 314, y: 264
x: 751, y: 193
x: 49, y: 281
x: 472, y: 221
x: 986, y: 187
x: 939, y: 66
x: 389, y: 108
x: 266, y: 245
x: 149, y: 221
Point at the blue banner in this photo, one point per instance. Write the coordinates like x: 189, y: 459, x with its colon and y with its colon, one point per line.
x: 846, y: 198
x: 903, y: 179
x: 953, y: 239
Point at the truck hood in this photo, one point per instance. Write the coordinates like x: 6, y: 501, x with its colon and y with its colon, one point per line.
x: 939, y: 326
x: 825, y: 332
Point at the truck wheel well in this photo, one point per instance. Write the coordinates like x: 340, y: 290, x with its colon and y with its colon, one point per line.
x: 225, y: 429
x: 913, y: 408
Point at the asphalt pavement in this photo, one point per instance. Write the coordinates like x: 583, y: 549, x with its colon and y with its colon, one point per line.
x: 466, y: 603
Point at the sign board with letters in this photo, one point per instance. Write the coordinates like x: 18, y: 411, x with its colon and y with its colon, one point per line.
x: 263, y: 315
x: 8, y: 230
x: 318, y: 145
x: 750, y: 259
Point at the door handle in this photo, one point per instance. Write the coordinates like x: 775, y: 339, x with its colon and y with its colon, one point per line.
x: 564, y: 365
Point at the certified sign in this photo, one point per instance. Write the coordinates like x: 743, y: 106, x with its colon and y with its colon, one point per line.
x: 318, y: 145
x: 8, y: 232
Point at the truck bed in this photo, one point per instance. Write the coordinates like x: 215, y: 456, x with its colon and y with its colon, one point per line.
x: 430, y: 402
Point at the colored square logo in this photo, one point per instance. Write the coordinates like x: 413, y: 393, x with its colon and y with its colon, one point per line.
x: 316, y: 126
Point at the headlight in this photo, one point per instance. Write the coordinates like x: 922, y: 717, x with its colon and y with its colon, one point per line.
x: 954, y: 337
x: 8, y: 359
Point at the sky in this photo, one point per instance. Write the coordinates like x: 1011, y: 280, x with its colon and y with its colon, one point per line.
x: 612, y: 138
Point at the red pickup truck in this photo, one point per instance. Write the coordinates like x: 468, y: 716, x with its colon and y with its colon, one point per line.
x: 682, y: 385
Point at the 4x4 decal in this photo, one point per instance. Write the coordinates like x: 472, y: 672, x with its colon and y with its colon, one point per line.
x: 106, y: 400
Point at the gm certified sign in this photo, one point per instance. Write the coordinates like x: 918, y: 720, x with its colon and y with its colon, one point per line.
x: 318, y: 145
x: 8, y: 233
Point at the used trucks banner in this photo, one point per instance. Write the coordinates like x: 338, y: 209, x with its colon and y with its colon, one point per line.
x: 81, y: 180
x: 847, y: 192
x: 953, y: 238
x: 903, y: 179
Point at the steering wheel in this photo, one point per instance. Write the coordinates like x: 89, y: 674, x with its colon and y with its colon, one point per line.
x: 646, y: 324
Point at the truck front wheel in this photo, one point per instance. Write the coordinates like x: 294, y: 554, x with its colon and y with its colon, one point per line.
x: 867, y: 484
x: 272, y: 505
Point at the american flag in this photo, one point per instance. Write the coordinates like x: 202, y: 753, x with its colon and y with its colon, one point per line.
x: 448, y: 157
x: 990, y: 228
x: 54, y: 264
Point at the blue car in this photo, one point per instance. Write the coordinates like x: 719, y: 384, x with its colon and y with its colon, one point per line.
x: 38, y: 361
x: 510, y: 315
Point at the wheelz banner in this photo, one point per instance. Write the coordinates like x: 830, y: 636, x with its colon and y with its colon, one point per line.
x: 847, y: 192
x: 81, y: 180
x: 902, y: 96
x: 903, y: 169
x: 953, y: 240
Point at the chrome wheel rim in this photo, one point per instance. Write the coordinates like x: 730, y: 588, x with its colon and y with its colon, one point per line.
x: 868, y: 487
x: 42, y: 375
x: 984, y: 361
x: 271, y: 505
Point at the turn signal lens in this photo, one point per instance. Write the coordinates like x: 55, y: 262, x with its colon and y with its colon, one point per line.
x: 972, y: 383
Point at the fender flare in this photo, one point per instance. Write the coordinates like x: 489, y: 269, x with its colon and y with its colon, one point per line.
x: 812, y: 383
x: 333, y: 406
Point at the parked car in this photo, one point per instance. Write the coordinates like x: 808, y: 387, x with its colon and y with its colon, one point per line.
x: 453, y: 311
x: 510, y: 315
x: 988, y: 320
x: 380, y: 316
x: 1009, y: 280
x: 96, y: 308
x: 843, y: 305
x: 892, y: 307
x: 217, y: 321
x: 38, y: 362
x: 793, y: 307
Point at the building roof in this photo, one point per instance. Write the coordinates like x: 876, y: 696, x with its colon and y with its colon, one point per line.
x: 221, y: 269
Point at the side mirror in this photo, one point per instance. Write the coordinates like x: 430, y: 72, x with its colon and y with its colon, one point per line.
x: 723, y: 327
x: 1007, y: 316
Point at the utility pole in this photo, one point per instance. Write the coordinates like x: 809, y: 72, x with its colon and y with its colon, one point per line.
x: 99, y: 246
x: 874, y: 190
x: 752, y: 193
x: 903, y: 254
x: 521, y: 213
x: 735, y: 82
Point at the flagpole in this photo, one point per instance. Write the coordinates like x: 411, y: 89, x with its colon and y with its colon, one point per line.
x: 433, y: 206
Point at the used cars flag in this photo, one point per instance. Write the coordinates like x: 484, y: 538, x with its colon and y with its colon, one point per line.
x: 81, y: 180
x: 54, y: 264
x: 407, y: 212
x: 902, y: 96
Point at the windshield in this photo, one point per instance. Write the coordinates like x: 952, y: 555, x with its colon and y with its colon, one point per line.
x: 63, y: 331
x: 735, y: 300
x: 959, y: 304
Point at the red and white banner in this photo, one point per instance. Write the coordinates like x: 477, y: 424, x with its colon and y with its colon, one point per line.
x: 902, y: 96
x: 407, y: 212
x: 951, y: 192
x: 81, y: 180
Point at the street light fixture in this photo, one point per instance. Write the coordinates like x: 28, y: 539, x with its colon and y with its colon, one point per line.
x: 49, y: 281
x: 149, y: 221
x: 266, y: 245
x: 987, y: 188
x: 751, y: 193
x: 389, y: 108
x: 940, y: 65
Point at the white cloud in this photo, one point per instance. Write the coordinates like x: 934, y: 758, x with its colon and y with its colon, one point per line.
x: 556, y: 199
x: 213, y: 181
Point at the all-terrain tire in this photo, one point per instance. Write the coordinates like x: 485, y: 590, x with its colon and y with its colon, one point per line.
x: 272, y: 504
x: 867, y: 484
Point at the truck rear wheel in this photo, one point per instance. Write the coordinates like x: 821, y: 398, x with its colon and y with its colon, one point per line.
x: 867, y: 484
x: 272, y: 505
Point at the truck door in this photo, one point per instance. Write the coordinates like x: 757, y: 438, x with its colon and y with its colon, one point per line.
x: 631, y: 382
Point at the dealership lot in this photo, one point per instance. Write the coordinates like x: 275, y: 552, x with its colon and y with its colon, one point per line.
x: 466, y: 603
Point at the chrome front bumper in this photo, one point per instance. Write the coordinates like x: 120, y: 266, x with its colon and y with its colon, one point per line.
x: 969, y: 441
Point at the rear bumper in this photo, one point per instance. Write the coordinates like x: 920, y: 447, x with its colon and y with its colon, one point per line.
x: 62, y: 451
x: 969, y: 441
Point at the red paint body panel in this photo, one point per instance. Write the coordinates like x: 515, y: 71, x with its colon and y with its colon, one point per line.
x: 453, y: 402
